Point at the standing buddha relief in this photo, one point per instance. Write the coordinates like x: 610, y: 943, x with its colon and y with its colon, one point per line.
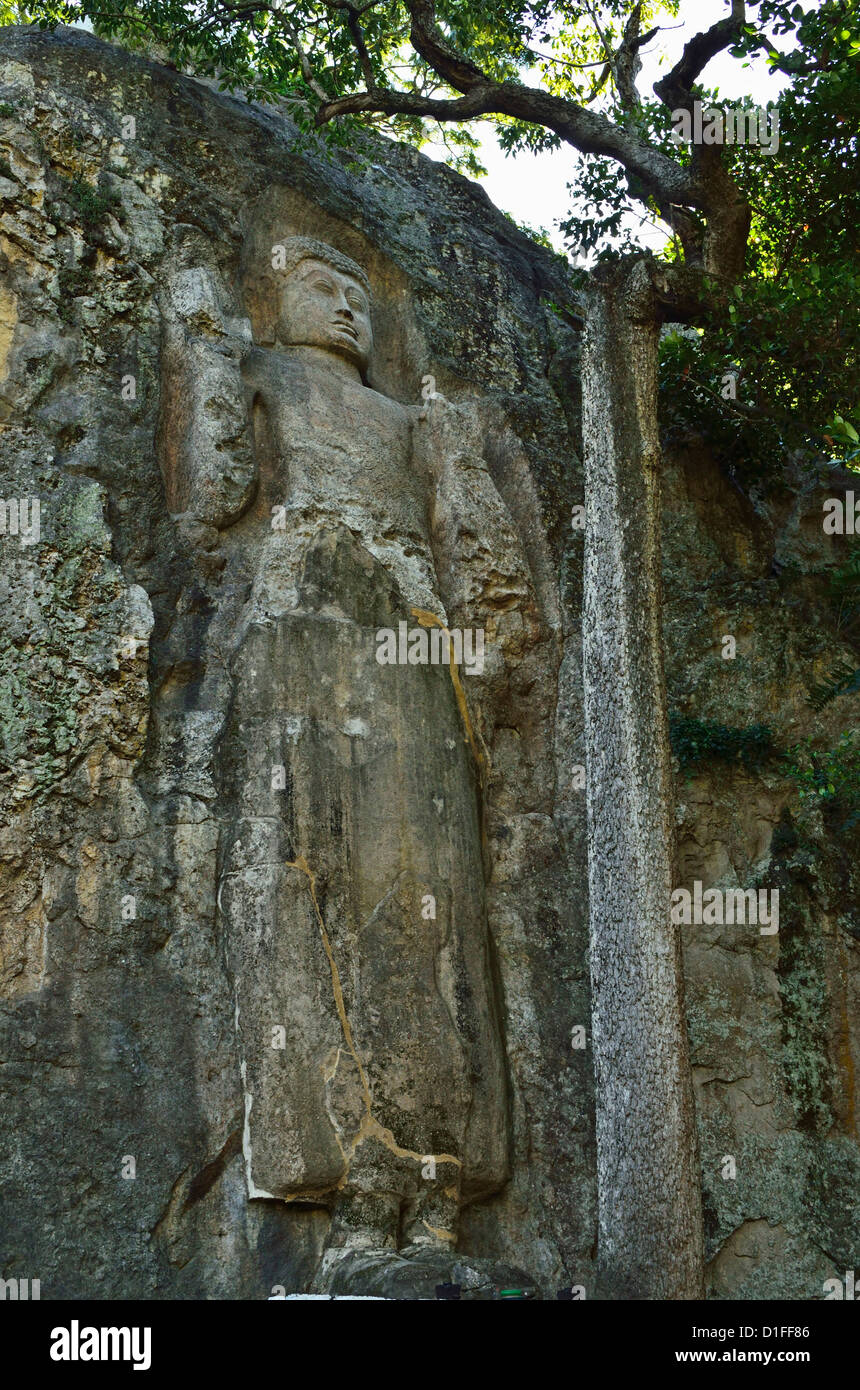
x: 352, y: 857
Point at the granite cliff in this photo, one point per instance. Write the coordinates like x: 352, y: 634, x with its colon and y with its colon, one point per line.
x: 140, y: 742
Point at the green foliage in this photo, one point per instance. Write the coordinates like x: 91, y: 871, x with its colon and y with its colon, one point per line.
x: 793, y: 349
x: 842, y: 679
x: 691, y: 380
x: 840, y: 434
x: 72, y: 282
x: 790, y: 329
x: 844, y: 591
x: 829, y: 778
x: 697, y: 741
x: 46, y: 13
x: 89, y: 204
x: 844, y: 598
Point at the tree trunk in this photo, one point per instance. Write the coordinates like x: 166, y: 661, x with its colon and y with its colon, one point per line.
x: 649, y: 1192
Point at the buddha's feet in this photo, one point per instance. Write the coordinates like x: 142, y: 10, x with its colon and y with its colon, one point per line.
x: 416, y: 1273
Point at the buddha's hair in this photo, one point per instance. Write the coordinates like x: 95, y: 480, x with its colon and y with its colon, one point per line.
x: 296, y: 249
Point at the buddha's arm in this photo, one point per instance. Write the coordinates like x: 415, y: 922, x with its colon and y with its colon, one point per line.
x: 205, y: 439
x: 487, y: 583
x: 483, y: 572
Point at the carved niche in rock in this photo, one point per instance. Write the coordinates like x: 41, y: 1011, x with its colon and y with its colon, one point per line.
x: 352, y: 868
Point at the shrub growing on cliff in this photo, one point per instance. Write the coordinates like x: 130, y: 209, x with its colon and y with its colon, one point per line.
x: 697, y: 741
x: 829, y: 778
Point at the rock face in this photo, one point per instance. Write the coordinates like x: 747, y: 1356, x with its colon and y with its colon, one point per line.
x: 292, y: 947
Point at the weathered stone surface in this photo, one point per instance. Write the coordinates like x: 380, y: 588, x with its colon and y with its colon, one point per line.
x: 773, y: 1019
x: 149, y: 643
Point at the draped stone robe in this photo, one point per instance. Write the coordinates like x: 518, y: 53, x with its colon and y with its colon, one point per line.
x: 351, y: 892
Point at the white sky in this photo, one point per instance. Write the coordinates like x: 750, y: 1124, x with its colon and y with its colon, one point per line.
x: 533, y: 187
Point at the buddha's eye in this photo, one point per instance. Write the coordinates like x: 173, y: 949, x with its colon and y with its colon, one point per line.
x: 323, y: 285
x: 357, y: 302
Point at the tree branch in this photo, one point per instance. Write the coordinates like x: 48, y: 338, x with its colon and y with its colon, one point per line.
x: 686, y: 228
x: 361, y: 47
x: 718, y: 249
x: 627, y: 61
x: 565, y: 62
x: 588, y: 131
x: 610, y: 56
x: 425, y: 38
x: 674, y: 90
x: 307, y: 71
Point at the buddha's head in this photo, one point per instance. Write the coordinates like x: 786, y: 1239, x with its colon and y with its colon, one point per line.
x: 323, y: 301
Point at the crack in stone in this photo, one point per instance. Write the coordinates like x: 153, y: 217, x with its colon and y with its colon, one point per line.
x: 302, y: 865
x: 370, y: 1127
x: 481, y: 756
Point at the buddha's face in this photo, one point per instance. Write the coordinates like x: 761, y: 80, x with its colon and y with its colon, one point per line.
x: 321, y: 307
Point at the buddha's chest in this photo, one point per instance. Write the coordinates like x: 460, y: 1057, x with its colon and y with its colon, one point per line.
x: 336, y: 446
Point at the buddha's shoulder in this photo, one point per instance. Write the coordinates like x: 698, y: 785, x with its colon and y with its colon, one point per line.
x: 261, y: 366
x: 382, y: 405
x: 266, y: 370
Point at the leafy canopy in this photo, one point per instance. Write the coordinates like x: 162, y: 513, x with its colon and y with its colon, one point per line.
x: 790, y: 332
